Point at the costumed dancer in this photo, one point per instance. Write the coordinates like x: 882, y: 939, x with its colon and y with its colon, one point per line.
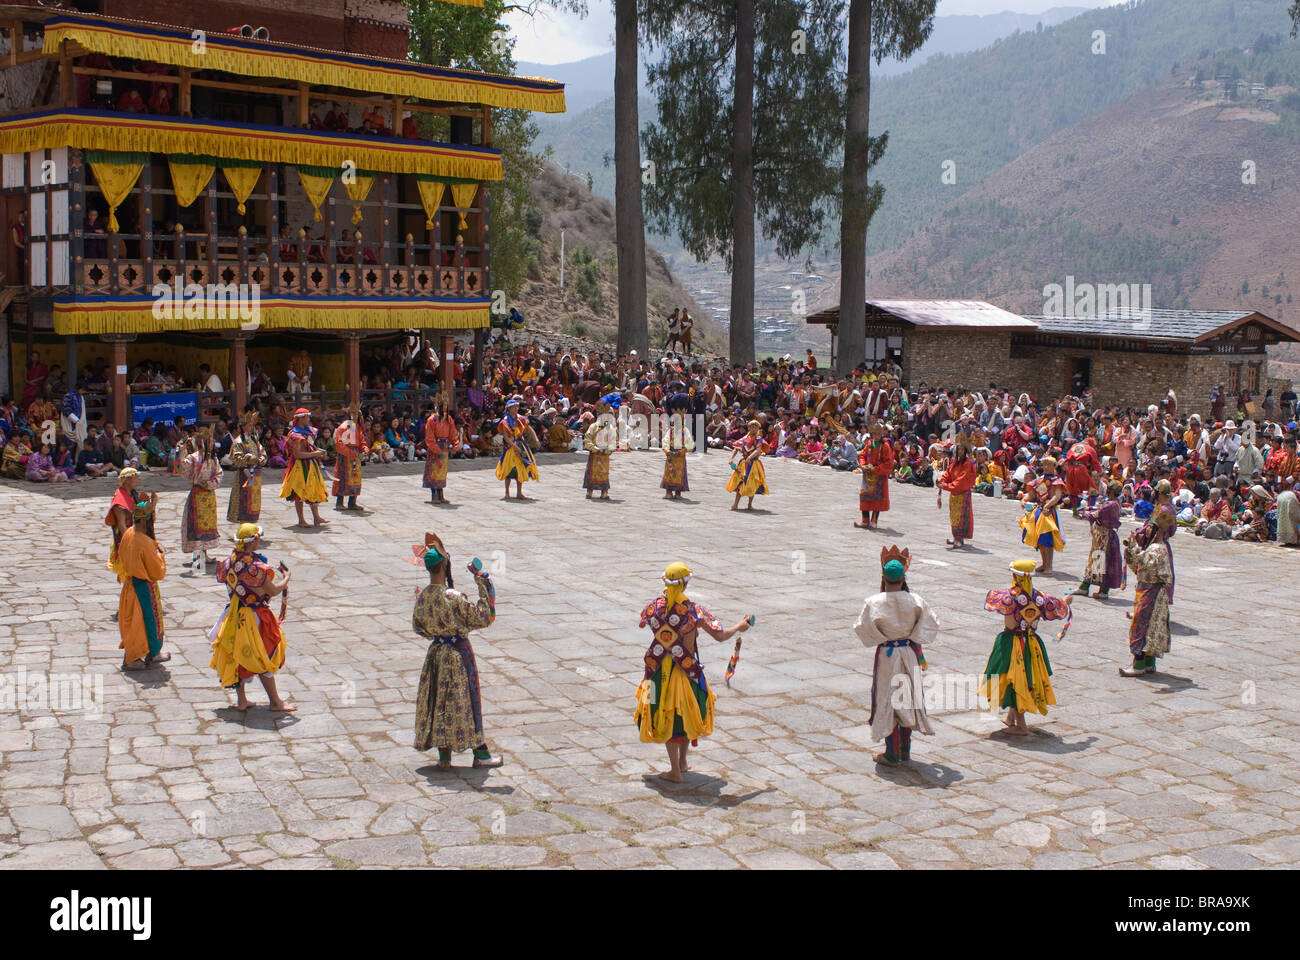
x: 303, y: 480
x: 449, y: 710
x: 1148, y: 634
x: 597, y: 442
x: 119, y: 516
x: 897, y: 623
x: 959, y: 480
x: 1165, y: 520
x: 1082, y: 468
x: 440, y: 438
x: 1040, y: 526
x: 517, y: 462
x: 349, y: 448
x: 876, y: 461
x: 1105, y: 566
x: 248, y: 457
x: 748, y: 478
x: 247, y: 640
x: 674, y: 703
x: 201, y: 468
x: 677, y: 442
x: 139, y: 610
x: 1018, y: 675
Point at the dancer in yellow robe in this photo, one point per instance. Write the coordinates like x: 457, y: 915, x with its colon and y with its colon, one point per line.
x: 748, y: 479
x: 674, y: 703
x: 517, y: 462
x: 303, y: 480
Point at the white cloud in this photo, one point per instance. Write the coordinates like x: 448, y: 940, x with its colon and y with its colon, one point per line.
x: 559, y: 37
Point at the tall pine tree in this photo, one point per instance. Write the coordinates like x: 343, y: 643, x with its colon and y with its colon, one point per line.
x: 877, y: 28
x: 747, y: 132
x: 629, y: 222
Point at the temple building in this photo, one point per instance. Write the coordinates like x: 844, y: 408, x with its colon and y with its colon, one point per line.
x: 230, y: 183
x: 1127, y: 359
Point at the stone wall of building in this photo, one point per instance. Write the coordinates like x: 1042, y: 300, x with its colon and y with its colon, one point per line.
x: 951, y: 357
x: 972, y: 358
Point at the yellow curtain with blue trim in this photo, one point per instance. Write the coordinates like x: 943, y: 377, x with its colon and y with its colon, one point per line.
x: 190, y: 176
x: 358, y: 190
x: 242, y: 179
x: 316, y: 182
x: 462, y: 196
x: 116, y: 174
x: 431, y: 192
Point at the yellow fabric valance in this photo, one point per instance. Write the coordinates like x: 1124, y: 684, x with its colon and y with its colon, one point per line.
x: 431, y: 192
x: 358, y: 189
x: 135, y: 314
x: 316, y: 183
x: 242, y: 182
x: 115, y: 177
x: 86, y: 129
x: 188, y: 179
x: 265, y: 58
x: 462, y: 197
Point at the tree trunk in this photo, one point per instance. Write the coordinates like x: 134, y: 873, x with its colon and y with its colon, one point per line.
x: 629, y: 223
x: 742, y: 208
x: 852, y: 346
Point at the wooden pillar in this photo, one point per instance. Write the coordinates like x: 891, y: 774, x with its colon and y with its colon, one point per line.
x: 304, y: 106
x: 385, y: 199
x: 445, y: 363
x: 121, y: 404
x: 185, y: 105
x: 146, y: 222
x: 239, y: 374
x: 70, y: 359
x: 352, y: 349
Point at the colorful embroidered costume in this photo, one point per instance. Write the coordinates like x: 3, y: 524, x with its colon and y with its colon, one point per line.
x: 597, y: 444
x: 199, y: 517
x: 749, y: 479
x: 246, y: 640
x: 897, y: 624
x: 449, y: 710
x: 1148, y: 634
x: 303, y: 479
x: 1041, y: 527
x: 248, y: 457
x: 349, y: 446
x: 1105, y: 565
x: 440, y: 438
x: 877, y: 462
x: 517, y: 461
x: 673, y: 701
x: 959, y: 481
x: 139, y: 609
x: 676, y: 444
x: 1018, y: 674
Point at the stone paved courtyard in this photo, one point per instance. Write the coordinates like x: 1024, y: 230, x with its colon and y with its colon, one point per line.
x: 1196, y: 767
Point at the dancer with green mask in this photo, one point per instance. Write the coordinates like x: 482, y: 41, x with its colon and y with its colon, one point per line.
x: 449, y: 712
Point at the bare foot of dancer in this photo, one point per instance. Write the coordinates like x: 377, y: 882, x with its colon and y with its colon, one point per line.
x: 672, y: 776
x: 279, y: 706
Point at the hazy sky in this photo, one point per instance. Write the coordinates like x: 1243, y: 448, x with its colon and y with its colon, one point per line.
x: 560, y: 38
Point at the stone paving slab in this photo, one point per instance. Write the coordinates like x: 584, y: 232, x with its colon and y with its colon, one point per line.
x: 1196, y: 767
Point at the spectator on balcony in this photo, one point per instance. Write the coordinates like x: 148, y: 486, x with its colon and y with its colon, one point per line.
x: 299, y: 373
x: 260, y: 385
x: 344, y: 252
x: 96, y: 246
x: 209, y: 382
x: 131, y: 102
x: 18, y: 238
x: 288, y: 250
